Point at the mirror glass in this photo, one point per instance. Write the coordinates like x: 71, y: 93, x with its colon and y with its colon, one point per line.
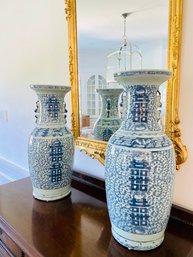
x: 113, y: 36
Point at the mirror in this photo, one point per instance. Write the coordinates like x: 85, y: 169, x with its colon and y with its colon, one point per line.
x: 94, y: 37
x: 126, y: 40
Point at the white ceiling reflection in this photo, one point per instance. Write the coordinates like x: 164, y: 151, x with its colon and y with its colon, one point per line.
x: 101, y: 19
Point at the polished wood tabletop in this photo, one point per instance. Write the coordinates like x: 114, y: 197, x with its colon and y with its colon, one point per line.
x: 76, y: 226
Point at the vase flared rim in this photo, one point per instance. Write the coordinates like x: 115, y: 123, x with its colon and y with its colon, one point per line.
x: 143, y: 72
x: 50, y: 87
x: 145, y: 76
x: 109, y: 90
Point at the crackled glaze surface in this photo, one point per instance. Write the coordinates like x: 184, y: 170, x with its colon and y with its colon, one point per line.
x: 109, y: 120
x: 51, y: 145
x: 140, y: 165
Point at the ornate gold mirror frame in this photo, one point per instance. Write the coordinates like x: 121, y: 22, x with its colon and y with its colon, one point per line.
x: 96, y: 149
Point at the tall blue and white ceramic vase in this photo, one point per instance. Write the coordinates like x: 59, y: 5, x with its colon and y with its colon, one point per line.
x: 109, y: 120
x: 51, y: 145
x: 140, y: 166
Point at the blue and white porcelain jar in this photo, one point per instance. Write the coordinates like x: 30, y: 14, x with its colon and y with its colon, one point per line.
x: 140, y: 166
x: 51, y: 146
x: 109, y: 120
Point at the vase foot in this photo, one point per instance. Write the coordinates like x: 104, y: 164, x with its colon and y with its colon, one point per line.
x: 52, y: 194
x: 137, y: 242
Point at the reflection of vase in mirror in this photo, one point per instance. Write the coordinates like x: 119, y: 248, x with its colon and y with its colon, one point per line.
x: 109, y: 120
x: 140, y: 165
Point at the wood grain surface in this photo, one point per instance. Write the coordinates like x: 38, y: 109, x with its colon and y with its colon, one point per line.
x: 76, y: 226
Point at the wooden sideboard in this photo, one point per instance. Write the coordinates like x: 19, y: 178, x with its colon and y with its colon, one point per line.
x: 76, y: 226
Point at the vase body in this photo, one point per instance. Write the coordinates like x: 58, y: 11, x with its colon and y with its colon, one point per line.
x: 51, y: 146
x: 140, y: 166
x: 109, y: 120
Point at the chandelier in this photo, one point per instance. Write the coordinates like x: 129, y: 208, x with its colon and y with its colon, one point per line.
x: 127, y: 57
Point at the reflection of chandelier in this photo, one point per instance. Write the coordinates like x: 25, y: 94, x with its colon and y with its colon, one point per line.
x: 126, y: 58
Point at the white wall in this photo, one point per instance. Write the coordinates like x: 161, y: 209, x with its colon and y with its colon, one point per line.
x: 84, y: 164
x: 33, y: 49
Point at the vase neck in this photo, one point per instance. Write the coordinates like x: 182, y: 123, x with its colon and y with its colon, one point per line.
x: 142, y: 109
x: 110, y: 105
x: 51, y: 110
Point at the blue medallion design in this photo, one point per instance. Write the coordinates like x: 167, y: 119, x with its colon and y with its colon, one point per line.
x: 139, y: 182
x: 50, y: 161
x: 142, y: 116
x: 53, y: 107
x: 140, y: 110
x: 56, y: 154
x: 139, y: 175
x: 139, y: 210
